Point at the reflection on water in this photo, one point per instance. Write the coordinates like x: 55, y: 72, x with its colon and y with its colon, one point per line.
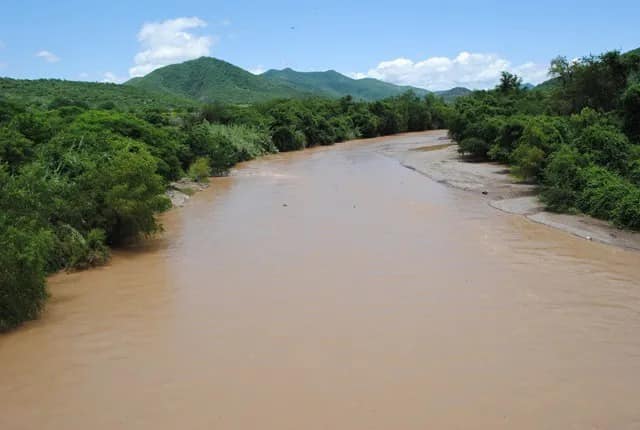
x: 333, y: 288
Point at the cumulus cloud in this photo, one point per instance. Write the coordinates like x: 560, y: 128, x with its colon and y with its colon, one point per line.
x: 48, y: 56
x: 169, y: 42
x: 258, y: 70
x: 112, y: 78
x: 471, y: 70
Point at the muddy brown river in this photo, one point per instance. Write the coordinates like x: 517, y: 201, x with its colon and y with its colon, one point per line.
x: 335, y: 289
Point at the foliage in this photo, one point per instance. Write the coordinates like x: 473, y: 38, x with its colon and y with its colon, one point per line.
x: 577, y: 135
x: 200, y: 170
x: 474, y: 146
x: 85, y: 166
x: 23, y: 253
x: 527, y: 161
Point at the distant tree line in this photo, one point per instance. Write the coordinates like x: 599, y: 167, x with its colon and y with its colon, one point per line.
x: 84, y: 170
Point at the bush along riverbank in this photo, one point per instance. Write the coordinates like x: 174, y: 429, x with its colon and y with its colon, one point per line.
x: 77, y: 178
x: 577, y: 136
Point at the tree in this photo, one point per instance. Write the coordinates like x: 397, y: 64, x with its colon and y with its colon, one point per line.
x: 631, y: 112
x: 509, y: 82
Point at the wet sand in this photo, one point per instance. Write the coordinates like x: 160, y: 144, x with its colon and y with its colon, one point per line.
x: 334, y: 288
x: 438, y: 159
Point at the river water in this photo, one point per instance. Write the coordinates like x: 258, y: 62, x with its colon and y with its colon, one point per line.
x: 334, y: 289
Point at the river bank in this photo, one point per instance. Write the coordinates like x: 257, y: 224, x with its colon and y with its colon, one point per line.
x: 334, y: 288
x: 435, y: 155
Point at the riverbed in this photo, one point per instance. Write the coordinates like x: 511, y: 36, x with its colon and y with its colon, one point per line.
x: 335, y: 288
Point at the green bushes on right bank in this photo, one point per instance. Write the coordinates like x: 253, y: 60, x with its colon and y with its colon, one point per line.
x: 577, y: 138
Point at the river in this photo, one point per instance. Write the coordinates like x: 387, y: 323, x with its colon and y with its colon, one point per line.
x: 334, y: 289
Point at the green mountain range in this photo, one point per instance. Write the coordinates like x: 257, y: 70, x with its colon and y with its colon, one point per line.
x: 209, y: 80
x: 334, y: 84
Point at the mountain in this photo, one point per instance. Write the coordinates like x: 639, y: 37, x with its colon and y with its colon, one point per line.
x: 209, y: 80
x: 453, y: 93
x: 334, y: 84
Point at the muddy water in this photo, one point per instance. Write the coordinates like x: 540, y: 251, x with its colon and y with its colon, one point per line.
x: 375, y: 299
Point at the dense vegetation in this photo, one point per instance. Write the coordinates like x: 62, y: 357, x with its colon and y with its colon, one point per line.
x: 210, y: 80
x: 84, y: 167
x: 577, y: 136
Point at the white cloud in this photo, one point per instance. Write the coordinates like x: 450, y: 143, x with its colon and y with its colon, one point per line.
x: 258, y: 70
x: 472, y: 70
x: 47, y: 56
x: 168, y: 42
x: 110, y: 77
x: 83, y: 75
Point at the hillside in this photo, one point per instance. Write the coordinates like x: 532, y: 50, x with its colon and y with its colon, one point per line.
x: 209, y: 80
x: 212, y: 80
x: 334, y: 84
x: 453, y: 93
x: 42, y: 92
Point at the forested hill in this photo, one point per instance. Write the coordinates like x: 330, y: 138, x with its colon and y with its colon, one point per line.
x: 211, y: 80
x: 56, y: 92
x: 453, y: 93
x: 334, y: 84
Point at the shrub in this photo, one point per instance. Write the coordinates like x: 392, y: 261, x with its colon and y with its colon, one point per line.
x: 23, y: 253
x: 200, y: 170
x: 507, y: 138
x: 542, y: 132
x: 562, y: 181
x: 602, y: 192
x: 288, y: 139
x: 128, y: 194
x: 527, y: 161
x: 15, y: 149
x: 474, y: 146
x: 605, y: 146
x: 84, y: 252
x: 226, y: 145
x: 627, y: 212
x: 631, y: 109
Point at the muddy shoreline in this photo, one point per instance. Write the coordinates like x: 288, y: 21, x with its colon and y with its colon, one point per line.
x: 334, y: 288
x: 438, y: 159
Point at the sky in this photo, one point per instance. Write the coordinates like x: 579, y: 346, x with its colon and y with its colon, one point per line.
x: 433, y: 45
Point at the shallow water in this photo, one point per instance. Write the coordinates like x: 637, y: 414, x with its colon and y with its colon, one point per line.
x: 335, y: 289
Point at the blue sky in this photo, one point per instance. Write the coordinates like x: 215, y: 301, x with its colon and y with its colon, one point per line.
x: 429, y: 44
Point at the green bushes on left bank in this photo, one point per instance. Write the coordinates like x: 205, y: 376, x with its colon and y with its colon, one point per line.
x: 82, y: 172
